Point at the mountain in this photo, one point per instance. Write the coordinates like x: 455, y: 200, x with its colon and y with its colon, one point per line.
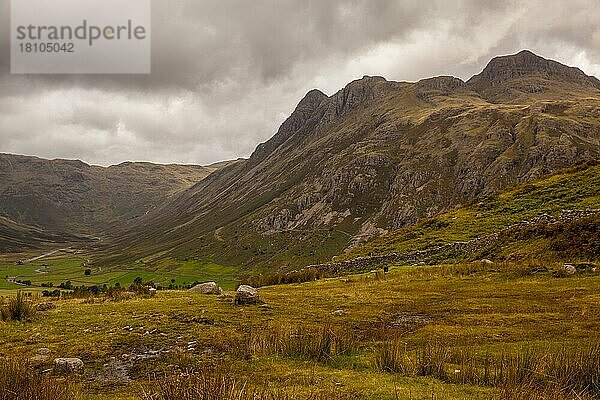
x: 507, y: 76
x: 54, y: 199
x: 375, y: 156
x: 553, y: 218
x: 15, y: 237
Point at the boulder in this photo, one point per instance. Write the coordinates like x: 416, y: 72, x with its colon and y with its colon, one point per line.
x: 45, y: 306
x: 65, y: 366
x: 569, y: 269
x: 246, y: 295
x: 207, y: 288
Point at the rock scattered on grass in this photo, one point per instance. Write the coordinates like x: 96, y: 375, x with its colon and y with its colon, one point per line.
x: 569, y: 269
x: 410, y: 321
x: 45, y: 306
x: 65, y: 366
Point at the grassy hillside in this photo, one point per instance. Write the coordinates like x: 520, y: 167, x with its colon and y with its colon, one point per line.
x: 226, y: 262
x: 417, y: 333
x: 17, y: 237
x: 574, y: 188
x: 71, y: 197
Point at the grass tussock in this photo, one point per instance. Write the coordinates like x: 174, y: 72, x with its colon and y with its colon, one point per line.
x: 19, y: 382
x: 320, y: 343
x: 216, y: 384
x: 508, y: 269
x: 17, y: 308
x: 282, y: 278
x: 566, y: 371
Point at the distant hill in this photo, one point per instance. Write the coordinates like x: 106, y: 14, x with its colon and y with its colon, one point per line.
x: 53, y: 199
x: 15, y: 237
x: 376, y: 156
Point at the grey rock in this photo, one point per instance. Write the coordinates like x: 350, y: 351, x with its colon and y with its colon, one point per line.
x: 585, y: 266
x: 207, y: 288
x: 43, y: 351
x: 246, y: 295
x: 65, y: 366
x: 408, y: 320
x: 569, y: 269
x: 45, y: 306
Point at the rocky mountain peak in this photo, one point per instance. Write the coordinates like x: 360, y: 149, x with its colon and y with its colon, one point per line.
x: 354, y: 95
x: 316, y: 111
x: 298, y: 120
x: 311, y: 100
x: 527, y: 64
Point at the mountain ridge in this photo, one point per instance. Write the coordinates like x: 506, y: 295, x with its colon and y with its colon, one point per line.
x: 374, y: 156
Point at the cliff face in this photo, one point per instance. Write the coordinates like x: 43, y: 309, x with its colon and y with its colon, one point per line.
x: 378, y: 155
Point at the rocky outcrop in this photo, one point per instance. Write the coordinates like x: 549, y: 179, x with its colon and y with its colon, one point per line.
x: 525, y: 63
x: 353, y: 96
x: 427, y: 89
x: 524, y: 71
x: 299, y: 120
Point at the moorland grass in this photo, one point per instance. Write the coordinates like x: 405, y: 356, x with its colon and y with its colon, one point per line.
x: 16, y: 308
x: 19, y: 382
x: 474, y: 317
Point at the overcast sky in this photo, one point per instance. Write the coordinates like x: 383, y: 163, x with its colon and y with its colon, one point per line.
x: 226, y: 73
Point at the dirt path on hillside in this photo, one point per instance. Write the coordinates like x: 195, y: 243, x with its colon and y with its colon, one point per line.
x: 44, y: 255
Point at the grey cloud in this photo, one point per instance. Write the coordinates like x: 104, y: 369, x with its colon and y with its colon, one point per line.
x: 227, y: 72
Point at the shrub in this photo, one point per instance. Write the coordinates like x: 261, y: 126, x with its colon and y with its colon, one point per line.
x: 17, y: 309
x: 320, y: 343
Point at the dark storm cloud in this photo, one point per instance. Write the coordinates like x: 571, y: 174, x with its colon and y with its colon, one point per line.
x: 227, y: 72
